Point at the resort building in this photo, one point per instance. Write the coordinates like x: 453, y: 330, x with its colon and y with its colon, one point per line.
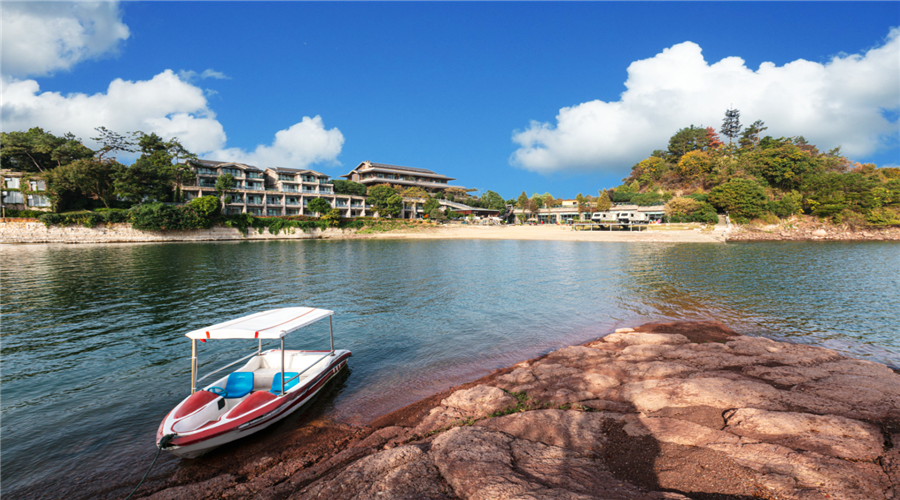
x: 569, y: 214
x: 371, y: 174
x: 273, y: 192
x: 24, y: 191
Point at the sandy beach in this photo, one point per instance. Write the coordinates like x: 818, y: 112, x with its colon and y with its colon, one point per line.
x: 554, y: 233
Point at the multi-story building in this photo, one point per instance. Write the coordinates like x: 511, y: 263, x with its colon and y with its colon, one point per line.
x: 23, y: 191
x: 371, y: 174
x: 273, y: 191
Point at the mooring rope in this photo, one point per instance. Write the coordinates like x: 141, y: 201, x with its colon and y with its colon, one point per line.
x: 162, y: 444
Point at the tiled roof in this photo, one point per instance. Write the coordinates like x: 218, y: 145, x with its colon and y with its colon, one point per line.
x: 407, y: 169
x: 285, y: 170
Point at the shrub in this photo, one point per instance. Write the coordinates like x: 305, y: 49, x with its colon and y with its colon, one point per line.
x: 208, y: 206
x: 332, y: 218
x: 10, y: 212
x: 162, y: 217
x: 743, y: 199
x: 319, y: 206
x: 648, y: 199
x: 790, y: 204
x: 622, y: 196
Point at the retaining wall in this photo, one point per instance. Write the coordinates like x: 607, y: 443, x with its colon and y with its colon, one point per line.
x: 33, y: 231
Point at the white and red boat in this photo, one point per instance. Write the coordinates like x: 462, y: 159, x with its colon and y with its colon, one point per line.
x: 268, y: 387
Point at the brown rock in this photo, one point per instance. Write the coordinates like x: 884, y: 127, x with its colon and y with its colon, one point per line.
x: 653, y: 395
x: 645, y: 338
x: 695, y: 331
x: 824, y: 434
x: 484, y: 464
x: 480, y: 400
x: 577, y: 431
x: 404, y: 472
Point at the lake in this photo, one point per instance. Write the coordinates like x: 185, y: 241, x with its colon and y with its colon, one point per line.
x: 94, y: 353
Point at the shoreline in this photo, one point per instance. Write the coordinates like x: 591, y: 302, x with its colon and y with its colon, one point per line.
x: 661, y: 411
x: 34, y: 232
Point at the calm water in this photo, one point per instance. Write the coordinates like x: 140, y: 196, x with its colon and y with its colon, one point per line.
x: 94, y: 353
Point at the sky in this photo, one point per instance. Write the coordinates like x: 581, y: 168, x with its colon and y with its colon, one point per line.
x: 536, y: 97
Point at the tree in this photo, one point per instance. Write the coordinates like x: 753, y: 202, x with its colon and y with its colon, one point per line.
x: 413, y: 192
x: 349, y: 187
x: 319, y: 206
x: 532, y: 207
x: 741, y: 198
x: 549, y: 202
x: 111, y: 143
x: 783, y: 166
x: 224, y: 185
x: 92, y: 177
x: 648, y: 170
x: 144, y: 180
x: 431, y: 205
x: 522, y: 200
x: 685, y: 140
x: 603, y: 202
x: 712, y: 139
x: 493, y: 200
x: 39, y: 151
x: 579, y: 202
x: 731, y: 125
x: 750, y: 137
x: 694, y: 164
x: 385, y: 200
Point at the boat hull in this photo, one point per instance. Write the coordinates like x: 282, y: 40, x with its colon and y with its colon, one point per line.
x: 197, y: 442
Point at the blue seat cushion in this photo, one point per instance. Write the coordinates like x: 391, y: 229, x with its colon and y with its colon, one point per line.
x: 239, y: 384
x: 276, y: 382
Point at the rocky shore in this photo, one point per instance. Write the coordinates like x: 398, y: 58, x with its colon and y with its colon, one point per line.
x: 811, y: 229
x: 664, y: 411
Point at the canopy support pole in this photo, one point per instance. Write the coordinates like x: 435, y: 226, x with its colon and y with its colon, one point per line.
x: 193, y: 365
x: 259, y: 351
x: 282, y: 366
x: 331, y: 330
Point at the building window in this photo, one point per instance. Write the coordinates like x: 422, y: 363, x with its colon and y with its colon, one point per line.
x: 38, y: 185
x: 38, y: 201
x: 254, y: 199
x: 293, y: 211
x: 206, y: 171
x: 273, y: 211
x: 12, y: 182
x: 13, y: 197
x: 256, y: 186
x: 273, y: 200
x: 233, y: 171
x: 235, y: 198
x: 254, y: 211
x: 286, y: 177
x: 254, y: 175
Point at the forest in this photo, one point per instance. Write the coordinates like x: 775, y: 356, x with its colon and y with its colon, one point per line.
x: 751, y: 176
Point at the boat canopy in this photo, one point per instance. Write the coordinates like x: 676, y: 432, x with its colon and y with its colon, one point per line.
x: 272, y: 324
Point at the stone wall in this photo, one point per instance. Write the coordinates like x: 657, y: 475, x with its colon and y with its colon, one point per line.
x: 33, y: 231
x: 776, y: 232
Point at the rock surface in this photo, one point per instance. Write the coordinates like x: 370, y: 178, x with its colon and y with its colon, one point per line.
x: 639, y: 414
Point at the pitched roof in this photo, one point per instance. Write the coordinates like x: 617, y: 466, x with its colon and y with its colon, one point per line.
x: 397, y: 168
x: 285, y: 170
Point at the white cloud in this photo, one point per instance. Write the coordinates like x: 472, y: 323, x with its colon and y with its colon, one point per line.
x: 42, y: 37
x: 839, y: 103
x: 164, y: 104
x: 191, y: 75
x: 299, y: 146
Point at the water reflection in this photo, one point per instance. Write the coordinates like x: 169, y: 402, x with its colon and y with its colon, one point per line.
x: 94, y: 354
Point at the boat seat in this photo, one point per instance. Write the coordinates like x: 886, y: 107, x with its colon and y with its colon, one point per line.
x: 239, y: 384
x: 276, y: 382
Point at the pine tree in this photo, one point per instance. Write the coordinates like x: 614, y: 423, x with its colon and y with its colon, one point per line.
x: 731, y: 125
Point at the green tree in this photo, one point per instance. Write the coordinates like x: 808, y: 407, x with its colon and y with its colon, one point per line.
x: 603, y: 202
x: 549, y: 201
x: 686, y: 140
x: 92, y: 177
x: 224, y: 185
x: 385, y: 200
x: 731, y: 125
x: 750, y: 138
x: 319, y: 206
x: 145, y: 180
x: 431, y: 205
x: 579, y: 202
x: 522, y: 200
x: 493, y: 200
x: 111, y: 143
x: 39, y: 151
x: 349, y: 187
x: 743, y: 199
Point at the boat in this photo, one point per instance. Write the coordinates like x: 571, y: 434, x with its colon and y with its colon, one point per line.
x: 269, y: 386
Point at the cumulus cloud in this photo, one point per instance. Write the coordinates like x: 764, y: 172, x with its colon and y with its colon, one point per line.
x: 299, y: 146
x: 164, y: 104
x: 42, y: 37
x: 843, y: 102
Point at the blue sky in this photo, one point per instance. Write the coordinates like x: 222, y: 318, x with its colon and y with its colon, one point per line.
x: 470, y: 90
